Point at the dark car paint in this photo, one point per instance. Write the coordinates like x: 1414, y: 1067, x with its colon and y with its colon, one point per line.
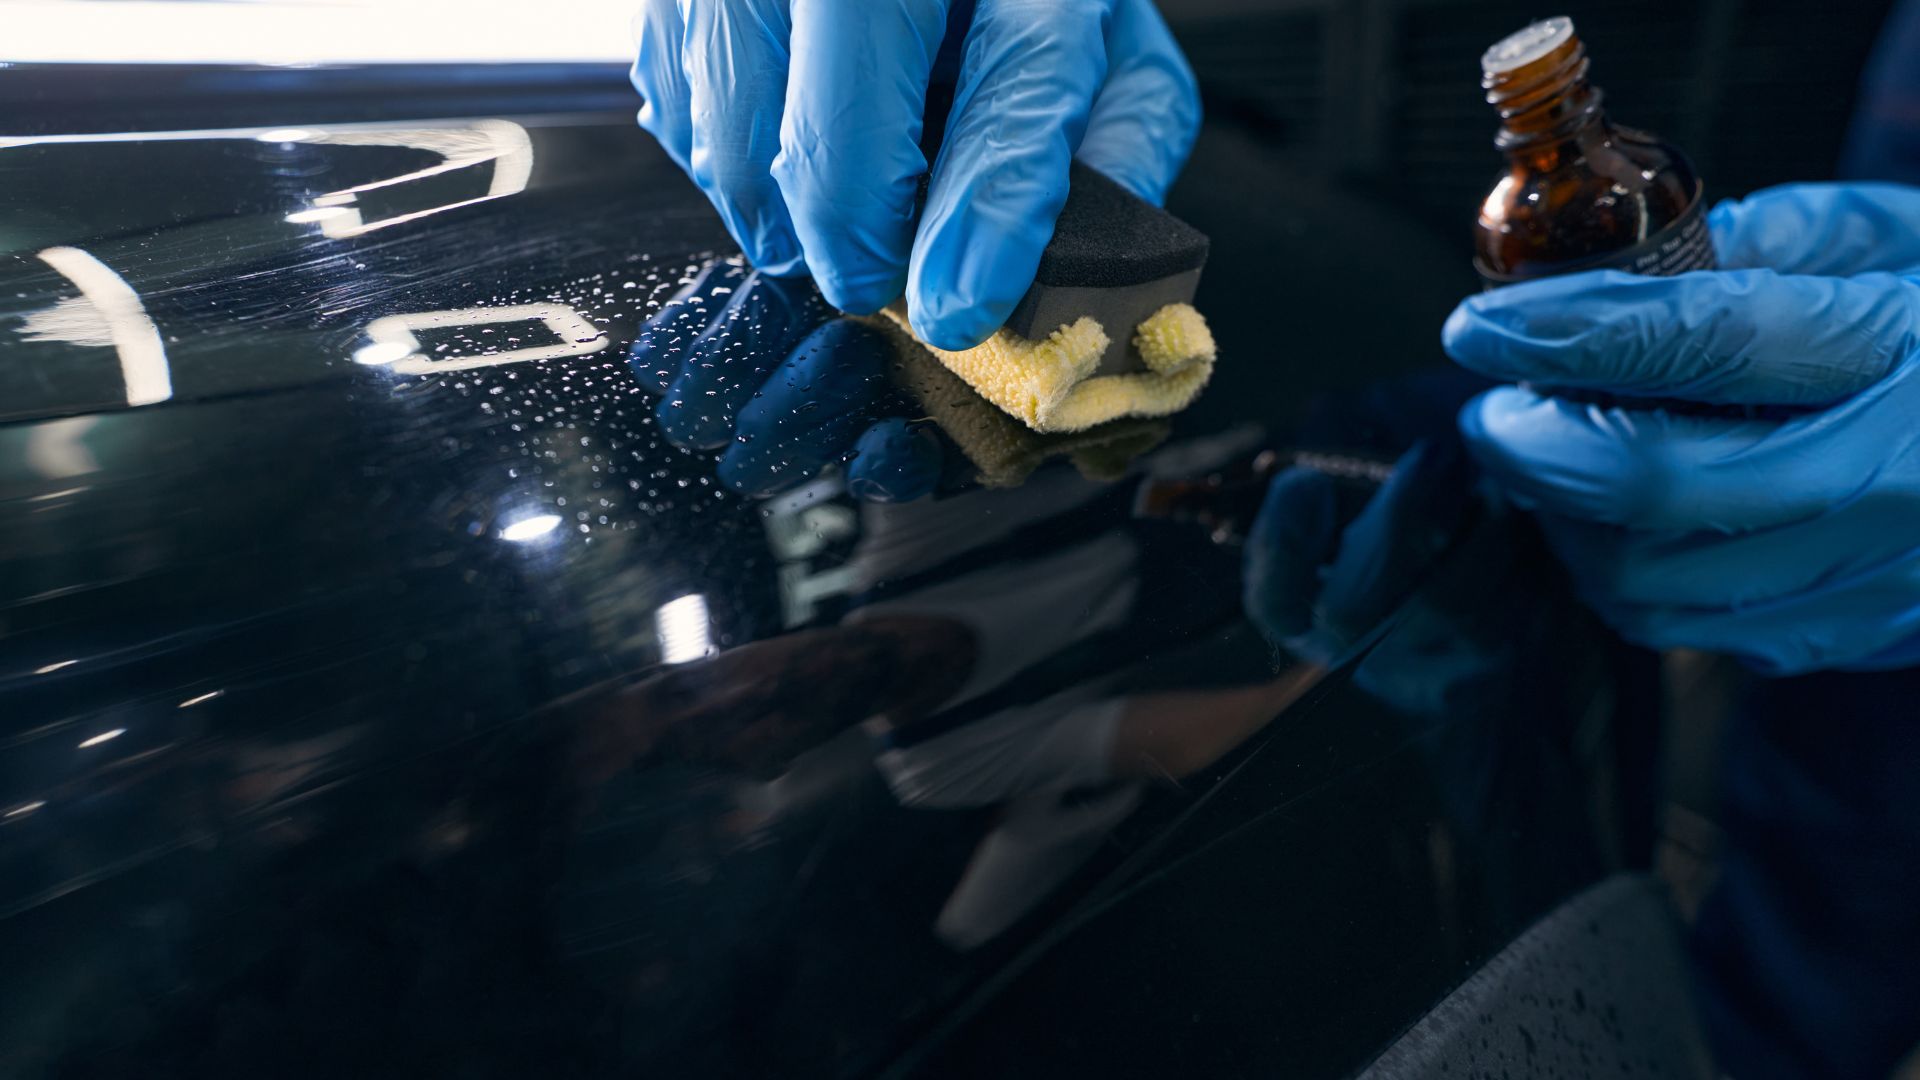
x: 338, y: 832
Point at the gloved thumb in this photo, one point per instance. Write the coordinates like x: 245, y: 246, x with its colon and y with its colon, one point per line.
x: 1751, y: 337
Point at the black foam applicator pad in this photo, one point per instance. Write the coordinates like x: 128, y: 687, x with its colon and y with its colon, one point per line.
x: 1107, y: 237
x: 1113, y: 258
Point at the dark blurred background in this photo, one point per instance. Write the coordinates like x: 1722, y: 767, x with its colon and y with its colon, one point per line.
x: 1386, y: 92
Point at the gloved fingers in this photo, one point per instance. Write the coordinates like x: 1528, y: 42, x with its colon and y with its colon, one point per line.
x: 761, y: 323
x: 1859, y: 623
x: 1648, y: 469
x: 735, y: 57
x: 1742, y: 337
x: 1714, y: 570
x: 1295, y: 533
x: 1030, y: 72
x: 810, y: 411
x: 1833, y: 229
x: 1394, y: 539
x: 894, y: 461
x: 1143, y: 123
x: 666, y: 111
x: 670, y: 333
x: 850, y: 159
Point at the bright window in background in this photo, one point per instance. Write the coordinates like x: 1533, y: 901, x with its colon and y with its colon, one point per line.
x: 310, y: 32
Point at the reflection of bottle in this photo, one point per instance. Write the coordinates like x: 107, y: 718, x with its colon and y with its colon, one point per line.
x: 1580, y: 193
x: 1225, y: 499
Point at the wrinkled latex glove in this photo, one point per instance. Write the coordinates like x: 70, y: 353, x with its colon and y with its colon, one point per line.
x: 1315, y: 585
x: 1793, y: 543
x: 801, y: 120
x: 761, y: 367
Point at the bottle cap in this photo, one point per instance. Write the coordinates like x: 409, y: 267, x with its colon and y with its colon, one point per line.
x: 1523, y: 47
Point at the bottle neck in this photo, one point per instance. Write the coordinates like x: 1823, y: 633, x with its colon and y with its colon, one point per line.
x: 1546, y: 101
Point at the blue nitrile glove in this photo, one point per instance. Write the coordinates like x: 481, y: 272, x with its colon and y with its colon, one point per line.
x: 1314, y: 587
x: 1793, y: 543
x: 762, y: 367
x: 801, y: 119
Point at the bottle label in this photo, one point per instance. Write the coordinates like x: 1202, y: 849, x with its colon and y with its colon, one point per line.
x: 1684, y: 245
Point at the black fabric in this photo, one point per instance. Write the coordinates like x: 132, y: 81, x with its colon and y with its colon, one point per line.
x: 1808, y: 949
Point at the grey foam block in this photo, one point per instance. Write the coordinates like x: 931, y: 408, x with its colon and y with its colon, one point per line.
x: 1113, y: 257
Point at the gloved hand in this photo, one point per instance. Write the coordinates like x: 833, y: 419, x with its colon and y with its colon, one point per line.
x: 761, y: 366
x: 1793, y: 543
x: 1316, y: 585
x: 801, y: 119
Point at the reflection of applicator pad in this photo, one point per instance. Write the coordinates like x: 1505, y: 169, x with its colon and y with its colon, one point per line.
x: 1001, y: 449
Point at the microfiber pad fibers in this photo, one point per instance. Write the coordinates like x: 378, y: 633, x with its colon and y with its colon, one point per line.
x: 1052, y: 384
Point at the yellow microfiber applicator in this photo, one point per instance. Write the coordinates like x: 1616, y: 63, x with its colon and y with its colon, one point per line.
x: 1002, y: 450
x: 1052, y: 384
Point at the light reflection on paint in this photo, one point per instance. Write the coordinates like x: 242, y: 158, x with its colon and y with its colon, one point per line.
x: 382, y: 352
x: 501, y: 149
x: 531, y: 528
x: 318, y: 213
x: 502, y: 145
x: 685, y: 629
x: 104, y: 736
x: 394, y: 341
x: 143, y: 357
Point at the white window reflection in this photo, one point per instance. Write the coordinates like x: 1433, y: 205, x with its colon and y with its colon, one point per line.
x: 501, y: 147
x: 530, y: 528
x: 107, y: 313
x: 323, y: 213
x: 685, y: 629
x: 502, y: 144
x: 57, y: 449
x: 394, y: 342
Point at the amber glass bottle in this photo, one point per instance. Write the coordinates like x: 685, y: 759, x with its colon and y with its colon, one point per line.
x: 1580, y: 192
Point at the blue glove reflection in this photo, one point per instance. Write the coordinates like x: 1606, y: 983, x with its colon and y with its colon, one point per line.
x: 801, y: 120
x: 1794, y: 544
x: 761, y: 366
x: 1316, y: 587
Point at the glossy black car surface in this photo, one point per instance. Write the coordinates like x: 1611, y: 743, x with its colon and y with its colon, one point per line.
x: 381, y: 694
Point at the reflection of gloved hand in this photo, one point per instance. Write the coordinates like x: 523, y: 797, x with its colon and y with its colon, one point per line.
x: 1315, y: 588
x: 760, y: 366
x: 802, y: 119
x: 1793, y: 543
